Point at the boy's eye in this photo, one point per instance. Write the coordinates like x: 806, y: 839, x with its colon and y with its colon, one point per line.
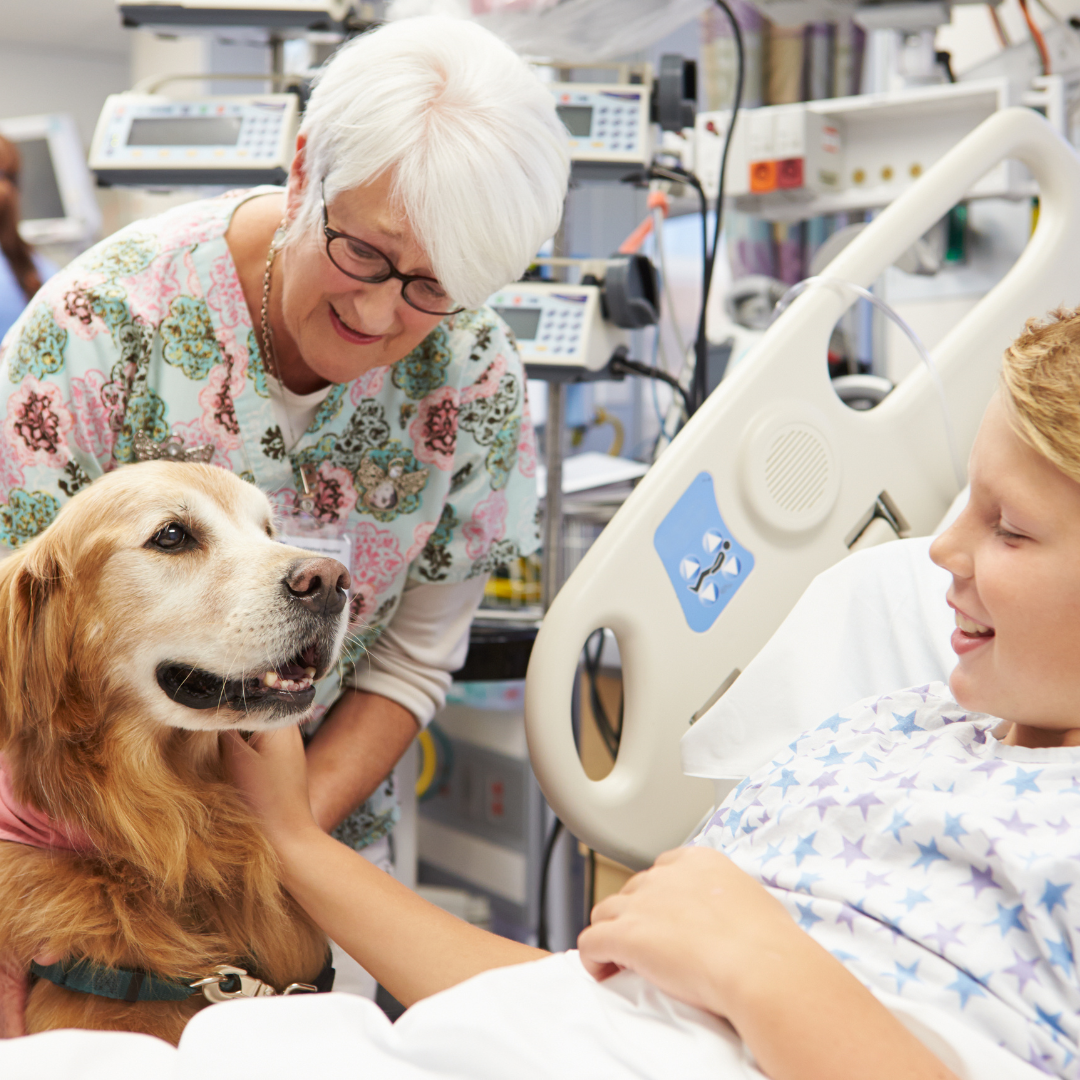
x: 1005, y: 534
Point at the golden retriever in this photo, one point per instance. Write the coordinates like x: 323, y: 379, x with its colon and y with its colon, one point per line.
x: 154, y: 613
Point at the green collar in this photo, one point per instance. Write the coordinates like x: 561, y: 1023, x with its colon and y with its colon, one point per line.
x: 121, y: 984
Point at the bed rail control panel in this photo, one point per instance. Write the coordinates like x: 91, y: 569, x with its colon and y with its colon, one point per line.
x: 146, y: 139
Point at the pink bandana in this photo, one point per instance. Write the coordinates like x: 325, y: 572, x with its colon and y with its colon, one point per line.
x: 24, y: 825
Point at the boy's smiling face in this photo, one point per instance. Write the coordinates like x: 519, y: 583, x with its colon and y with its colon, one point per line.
x: 1014, y: 554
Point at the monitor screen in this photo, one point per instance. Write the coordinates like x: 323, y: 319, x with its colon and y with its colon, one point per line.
x: 39, y: 193
x: 576, y: 118
x: 522, y: 321
x: 184, y: 131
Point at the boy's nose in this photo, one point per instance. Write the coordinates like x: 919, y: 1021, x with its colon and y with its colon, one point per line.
x: 951, y: 551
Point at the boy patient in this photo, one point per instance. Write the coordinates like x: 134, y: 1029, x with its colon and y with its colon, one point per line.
x: 917, y: 844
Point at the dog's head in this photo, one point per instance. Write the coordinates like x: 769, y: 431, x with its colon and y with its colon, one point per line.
x: 160, y: 588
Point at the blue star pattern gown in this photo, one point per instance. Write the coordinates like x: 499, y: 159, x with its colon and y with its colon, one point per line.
x: 934, y: 861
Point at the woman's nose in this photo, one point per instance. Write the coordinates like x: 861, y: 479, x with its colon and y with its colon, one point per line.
x: 376, y: 306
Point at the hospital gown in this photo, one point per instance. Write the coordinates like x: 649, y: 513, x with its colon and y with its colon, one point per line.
x: 935, y: 862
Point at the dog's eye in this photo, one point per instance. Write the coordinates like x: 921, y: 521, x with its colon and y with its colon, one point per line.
x: 170, y: 537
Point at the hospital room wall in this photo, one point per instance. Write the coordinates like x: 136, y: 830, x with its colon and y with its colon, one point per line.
x: 38, y: 77
x: 35, y: 79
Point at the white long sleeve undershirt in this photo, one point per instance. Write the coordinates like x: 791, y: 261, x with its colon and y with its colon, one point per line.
x: 426, y: 640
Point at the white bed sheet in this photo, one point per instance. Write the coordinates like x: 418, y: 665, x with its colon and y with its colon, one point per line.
x: 548, y: 1020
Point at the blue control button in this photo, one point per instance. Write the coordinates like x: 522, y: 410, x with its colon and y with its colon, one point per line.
x: 704, y: 562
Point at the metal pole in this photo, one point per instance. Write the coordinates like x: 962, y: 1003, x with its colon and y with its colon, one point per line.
x: 277, y: 53
x: 552, y: 573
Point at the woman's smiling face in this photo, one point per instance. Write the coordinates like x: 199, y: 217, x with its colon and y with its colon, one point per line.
x: 1014, y: 554
x: 341, y: 327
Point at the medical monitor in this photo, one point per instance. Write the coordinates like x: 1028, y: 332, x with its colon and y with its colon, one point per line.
x: 185, y: 131
x: 314, y: 15
x: 150, y: 140
x: 522, y: 321
x: 56, y: 190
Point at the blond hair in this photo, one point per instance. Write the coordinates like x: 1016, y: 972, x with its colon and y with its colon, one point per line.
x: 1040, y: 379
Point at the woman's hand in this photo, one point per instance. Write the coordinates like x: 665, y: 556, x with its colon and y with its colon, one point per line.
x: 271, y: 772
x: 690, y: 925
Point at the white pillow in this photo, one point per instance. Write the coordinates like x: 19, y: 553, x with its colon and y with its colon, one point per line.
x: 876, y: 621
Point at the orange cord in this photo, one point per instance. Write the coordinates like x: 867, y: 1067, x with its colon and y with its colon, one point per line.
x: 998, y: 28
x: 1036, y: 36
x: 634, y: 241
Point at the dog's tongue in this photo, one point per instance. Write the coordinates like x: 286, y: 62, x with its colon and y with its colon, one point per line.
x: 302, y: 667
x: 293, y: 670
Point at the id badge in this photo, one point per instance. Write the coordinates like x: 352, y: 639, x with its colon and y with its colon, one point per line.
x: 303, y: 529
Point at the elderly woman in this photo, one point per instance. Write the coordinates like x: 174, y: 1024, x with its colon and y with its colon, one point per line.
x: 329, y: 343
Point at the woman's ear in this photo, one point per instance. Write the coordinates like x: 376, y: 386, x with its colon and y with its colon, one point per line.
x: 298, y: 180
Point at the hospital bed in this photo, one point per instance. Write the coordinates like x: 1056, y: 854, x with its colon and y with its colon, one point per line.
x: 770, y: 483
x: 550, y: 1021
x: 878, y: 606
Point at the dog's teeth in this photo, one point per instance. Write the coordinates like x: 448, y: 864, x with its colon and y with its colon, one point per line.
x: 309, y: 672
x: 271, y: 678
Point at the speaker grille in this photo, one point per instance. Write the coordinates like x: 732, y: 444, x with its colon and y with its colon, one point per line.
x: 796, y: 469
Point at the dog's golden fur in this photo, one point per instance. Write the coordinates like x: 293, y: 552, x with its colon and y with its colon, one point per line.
x: 179, y: 878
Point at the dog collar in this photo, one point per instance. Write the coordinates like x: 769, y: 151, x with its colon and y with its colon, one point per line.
x: 120, y: 984
x: 127, y: 984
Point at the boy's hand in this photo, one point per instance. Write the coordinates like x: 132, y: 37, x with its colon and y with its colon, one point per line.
x: 692, y: 925
x: 271, y: 773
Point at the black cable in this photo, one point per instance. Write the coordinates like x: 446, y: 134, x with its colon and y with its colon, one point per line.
x: 545, y: 866
x: 591, y: 896
x: 610, y: 734
x: 701, y: 345
x: 675, y: 174
x: 622, y: 365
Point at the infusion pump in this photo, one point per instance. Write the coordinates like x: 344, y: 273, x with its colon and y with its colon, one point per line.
x: 608, y: 124
x: 557, y: 325
x: 560, y: 327
x: 149, y: 139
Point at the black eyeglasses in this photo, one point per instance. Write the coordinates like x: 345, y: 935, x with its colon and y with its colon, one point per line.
x: 363, y: 262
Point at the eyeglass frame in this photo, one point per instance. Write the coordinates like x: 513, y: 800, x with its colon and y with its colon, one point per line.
x: 394, y: 273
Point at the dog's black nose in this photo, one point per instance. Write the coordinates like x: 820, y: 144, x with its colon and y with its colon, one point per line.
x: 318, y: 584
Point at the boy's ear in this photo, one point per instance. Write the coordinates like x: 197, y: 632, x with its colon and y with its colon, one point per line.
x: 28, y: 679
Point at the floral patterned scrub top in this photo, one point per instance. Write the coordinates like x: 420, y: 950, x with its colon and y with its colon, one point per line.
x: 427, y: 465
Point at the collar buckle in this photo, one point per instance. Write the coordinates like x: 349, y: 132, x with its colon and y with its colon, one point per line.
x: 228, y: 983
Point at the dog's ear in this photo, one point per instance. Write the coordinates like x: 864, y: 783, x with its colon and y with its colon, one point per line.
x: 29, y: 580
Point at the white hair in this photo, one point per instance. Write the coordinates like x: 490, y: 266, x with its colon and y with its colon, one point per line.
x: 478, y: 154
